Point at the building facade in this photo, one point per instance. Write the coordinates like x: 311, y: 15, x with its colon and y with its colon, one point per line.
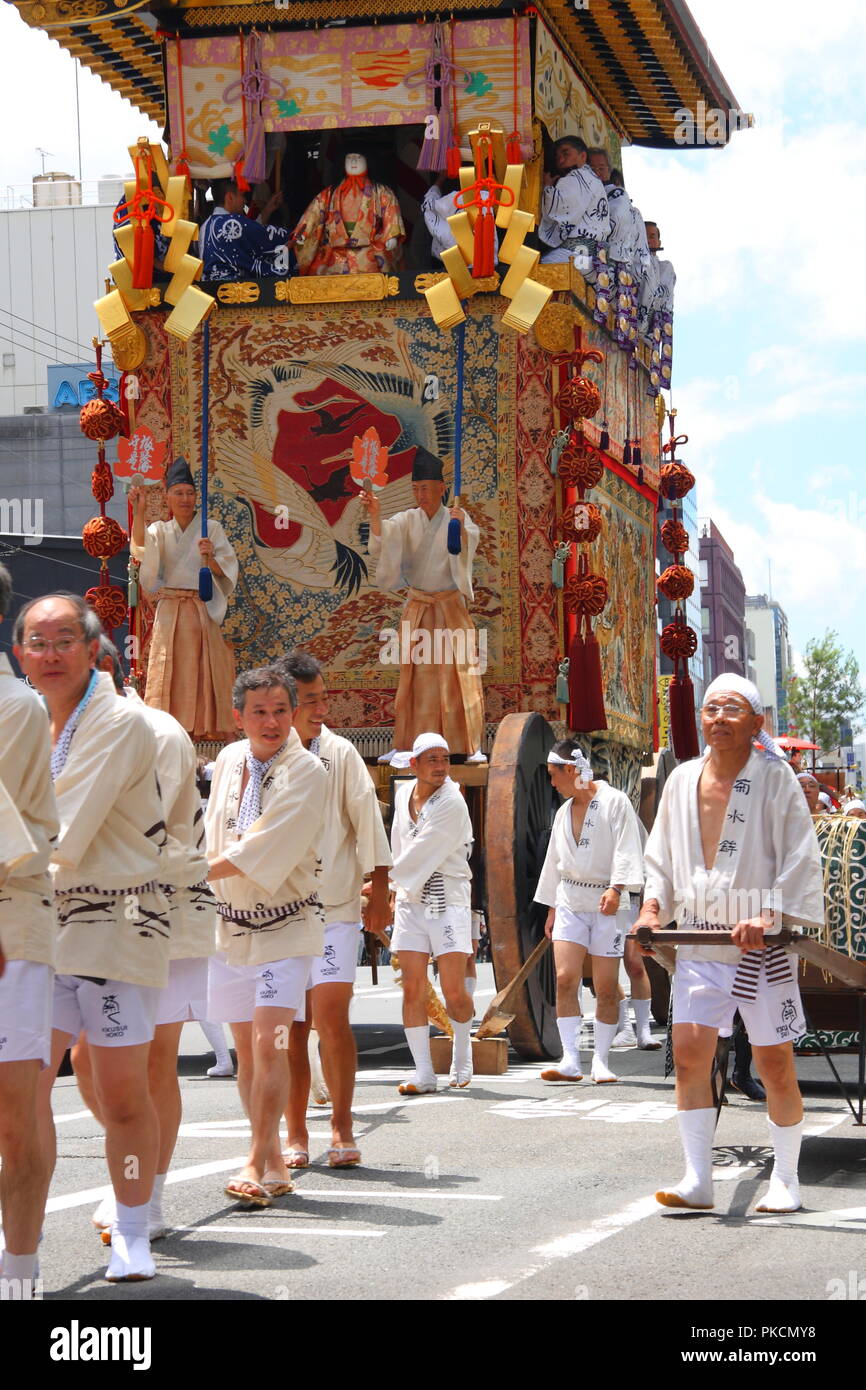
x: 767, y: 623
x: 723, y: 607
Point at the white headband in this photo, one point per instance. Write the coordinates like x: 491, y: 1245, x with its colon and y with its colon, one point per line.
x: 424, y: 742
x: 577, y: 761
x: 854, y: 806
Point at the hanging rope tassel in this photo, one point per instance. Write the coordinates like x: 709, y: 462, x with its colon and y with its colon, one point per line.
x: 513, y: 152
x: 585, y: 688
x: 681, y: 696
x: 484, y: 250
x: 452, y: 157
x: 454, y: 526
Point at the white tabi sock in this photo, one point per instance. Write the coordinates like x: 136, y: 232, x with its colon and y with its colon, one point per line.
x: 604, y: 1036
x: 622, y: 1015
x: 156, y: 1217
x: 21, y: 1267
x: 419, y: 1045
x: 783, y: 1193
x: 641, y: 1009
x: 133, y: 1221
x: 696, y: 1187
x: 215, y: 1034
x: 462, y: 1054
x: 569, y: 1032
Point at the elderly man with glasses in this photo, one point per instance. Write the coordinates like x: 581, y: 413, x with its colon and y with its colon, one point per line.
x: 733, y: 847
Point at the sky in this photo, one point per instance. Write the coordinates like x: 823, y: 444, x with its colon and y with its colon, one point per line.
x: 766, y: 238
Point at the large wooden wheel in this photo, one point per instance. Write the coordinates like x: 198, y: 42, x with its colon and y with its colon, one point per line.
x: 521, y: 805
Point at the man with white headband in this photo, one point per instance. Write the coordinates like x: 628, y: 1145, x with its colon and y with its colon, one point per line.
x: 852, y: 808
x: 431, y: 840
x: 593, y: 856
x: 733, y: 847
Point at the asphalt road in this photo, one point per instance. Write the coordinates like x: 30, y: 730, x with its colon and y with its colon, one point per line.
x: 512, y: 1190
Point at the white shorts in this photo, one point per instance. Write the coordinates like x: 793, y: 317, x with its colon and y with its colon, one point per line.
x: 415, y: 930
x: 477, y: 920
x: 702, y: 994
x: 26, y: 1008
x: 600, y: 935
x: 338, y: 962
x: 234, y: 992
x: 115, y: 1014
x: 184, y: 998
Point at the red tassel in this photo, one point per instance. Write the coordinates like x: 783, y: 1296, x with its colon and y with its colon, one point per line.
x: 452, y: 162
x: 684, y: 733
x: 585, y: 690
x: 142, y: 257
x: 483, y: 260
x: 238, y: 174
x: 513, y: 152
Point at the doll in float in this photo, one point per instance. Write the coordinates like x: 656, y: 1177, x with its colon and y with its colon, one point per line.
x: 350, y: 228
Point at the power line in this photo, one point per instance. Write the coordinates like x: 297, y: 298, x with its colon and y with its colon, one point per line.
x: 35, y: 328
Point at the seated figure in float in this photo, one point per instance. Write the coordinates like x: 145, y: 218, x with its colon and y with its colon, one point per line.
x: 190, y: 669
x: 234, y: 246
x: 350, y: 228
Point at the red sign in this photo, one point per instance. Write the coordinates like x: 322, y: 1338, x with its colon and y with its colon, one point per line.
x: 140, y: 455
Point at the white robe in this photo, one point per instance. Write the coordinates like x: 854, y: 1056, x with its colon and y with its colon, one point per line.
x: 608, y: 852
x: 413, y: 551
x: 768, y: 855
x: 353, y: 840
x: 437, y: 208
x: 628, y: 243
x: 112, y: 830
x: 575, y: 208
x: 27, y: 924
x: 278, y: 855
x: 170, y: 559
x: 657, y: 288
x: 184, y: 862
x: 437, y: 846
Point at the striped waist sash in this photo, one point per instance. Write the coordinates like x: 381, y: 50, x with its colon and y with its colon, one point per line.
x: 771, y: 965
x: 259, y: 918
x: 153, y: 887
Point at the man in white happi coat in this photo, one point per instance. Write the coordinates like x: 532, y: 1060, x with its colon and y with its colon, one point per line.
x: 264, y: 825
x: 656, y: 310
x: 431, y: 841
x: 575, y: 220
x: 193, y: 936
x: 440, y: 667
x: 627, y: 254
x: 352, y: 846
x: 190, y: 668
x: 733, y: 846
x: 112, y: 917
x: 593, y: 854
x: 28, y: 830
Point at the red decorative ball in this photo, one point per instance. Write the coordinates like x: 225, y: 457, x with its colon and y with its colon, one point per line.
x: 110, y: 606
x: 678, y: 641
x: 579, y: 398
x: 581, y: 523
x: 675, y: 537
x: 675, y: 480
x: 580, y: 465
x: 103, y: 537
x: 586, y: 595
x: 676, y: 582
x: 100, y: 420
x: 102, y: 483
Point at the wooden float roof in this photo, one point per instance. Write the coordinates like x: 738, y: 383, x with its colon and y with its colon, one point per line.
x: 643, y: 60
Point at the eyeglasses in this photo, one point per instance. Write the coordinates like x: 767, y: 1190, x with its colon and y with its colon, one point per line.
x: 38, y: 646
x: 730, y: 709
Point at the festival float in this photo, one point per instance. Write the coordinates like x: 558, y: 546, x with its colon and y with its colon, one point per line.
x: 292, y: 395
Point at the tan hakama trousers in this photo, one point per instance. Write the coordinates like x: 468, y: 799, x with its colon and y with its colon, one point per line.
x: 442, y: 696
x: 190, y: 669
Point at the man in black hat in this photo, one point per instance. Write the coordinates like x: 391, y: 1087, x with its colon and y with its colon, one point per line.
x: 437, y: 646
x: 190, y: 669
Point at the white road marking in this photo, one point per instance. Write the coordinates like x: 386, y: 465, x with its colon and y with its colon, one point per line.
x: 598, y: 1108
x: 75, y: 1115
x: 253, y: 1236
x: 563, y: 1247
x: 419, y: 1194
x: 841, y: 1219
x: 95, y: 1194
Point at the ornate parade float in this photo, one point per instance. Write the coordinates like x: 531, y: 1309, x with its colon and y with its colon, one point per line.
x: 525, y: 376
